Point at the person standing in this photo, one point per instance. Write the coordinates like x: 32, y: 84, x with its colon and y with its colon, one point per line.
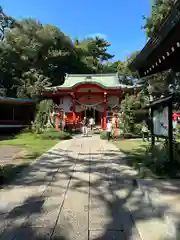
x: 84, y: 126
x: 91, y: 123
x: 145, y: 131
x: 108, y: 129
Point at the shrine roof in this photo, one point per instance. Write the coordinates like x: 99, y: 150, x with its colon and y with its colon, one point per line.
x: 107, y: 81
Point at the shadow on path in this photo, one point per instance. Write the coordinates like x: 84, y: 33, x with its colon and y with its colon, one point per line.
x: 113, y: 179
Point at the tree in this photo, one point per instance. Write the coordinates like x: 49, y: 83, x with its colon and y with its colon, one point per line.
x: 133, y: 111
x: 160, y: 9
x: 32, y: 84
x: 94, y: 52
x: 33, y: 56
x: 31, y: 45
x: 5, y: 22
x: 44, y: 117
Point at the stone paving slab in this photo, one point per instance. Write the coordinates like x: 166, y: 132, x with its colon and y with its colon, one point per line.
x: 29, y: 200
x: 81, y: 189
x: 74, y: 213
x: 163, y: 196
x: 114, y: 235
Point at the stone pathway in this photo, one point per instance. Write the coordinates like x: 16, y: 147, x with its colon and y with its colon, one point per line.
x: 80, y: 190
x: 8, y: 154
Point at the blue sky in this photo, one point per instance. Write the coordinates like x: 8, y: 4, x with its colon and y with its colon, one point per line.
x: 119, y: 21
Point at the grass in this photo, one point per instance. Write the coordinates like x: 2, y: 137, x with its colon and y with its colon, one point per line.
x: 137, y: 155
x: 133, y: 148
x: 33, y: 146
x: 151, y: 162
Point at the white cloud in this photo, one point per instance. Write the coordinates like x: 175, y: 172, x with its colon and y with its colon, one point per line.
x: 100, y: 35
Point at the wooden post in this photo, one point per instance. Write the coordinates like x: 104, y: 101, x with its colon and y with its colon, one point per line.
x: 74, y: 110
x: 57, y: 120
x: 152, y: 127
x: 104, y: 113
x: 102, y: 121
x: 170, y: 129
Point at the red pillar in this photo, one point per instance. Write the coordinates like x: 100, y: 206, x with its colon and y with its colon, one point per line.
x: 74, y: 110
x: 105, y: 108
x: 57, y: 120
x: 102, y: 121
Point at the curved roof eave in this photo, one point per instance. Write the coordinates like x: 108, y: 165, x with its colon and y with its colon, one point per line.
x: 88, y: 82
x: 120, y: 86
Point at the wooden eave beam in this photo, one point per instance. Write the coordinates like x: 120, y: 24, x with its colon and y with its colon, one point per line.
x: 170, y: 22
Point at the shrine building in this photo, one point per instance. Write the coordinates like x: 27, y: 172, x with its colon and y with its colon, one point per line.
x: 93, y: 95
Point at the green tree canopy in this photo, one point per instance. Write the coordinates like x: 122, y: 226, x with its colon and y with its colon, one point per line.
x: 133, y: 111
x: 160, y: 9
x: 34, y: 56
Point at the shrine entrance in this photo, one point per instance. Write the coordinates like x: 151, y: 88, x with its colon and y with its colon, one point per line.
x: 90, y: 112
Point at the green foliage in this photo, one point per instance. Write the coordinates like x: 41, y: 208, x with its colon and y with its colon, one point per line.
x: 177, y: 131
x: 34, y: 56
x: 160, y: 10
x: 44, y: 118
x: 5, y: 22
x: 103, y: 135
x: 132, y: 111
x: 127, y: 118
x: 54, y: 134
x: 32, y: 84
x: 137, y: 128
x: 152, y: 161
x: 160, y: 162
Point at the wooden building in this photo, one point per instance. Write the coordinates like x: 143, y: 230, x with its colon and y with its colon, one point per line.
x: 94, y: 95
x: 158, y: 65
x: 162, y: 51
x: 16, y: 113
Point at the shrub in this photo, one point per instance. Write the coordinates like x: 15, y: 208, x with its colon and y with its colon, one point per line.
x: 44, y: 118
x: 137, y: 128
x: 54, y: 134
x: 103, y: 135
x: 177, y: 131
x: 133, y: 111
x: 160, y: 162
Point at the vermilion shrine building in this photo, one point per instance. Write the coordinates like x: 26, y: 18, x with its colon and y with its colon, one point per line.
x: 93, y: 95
